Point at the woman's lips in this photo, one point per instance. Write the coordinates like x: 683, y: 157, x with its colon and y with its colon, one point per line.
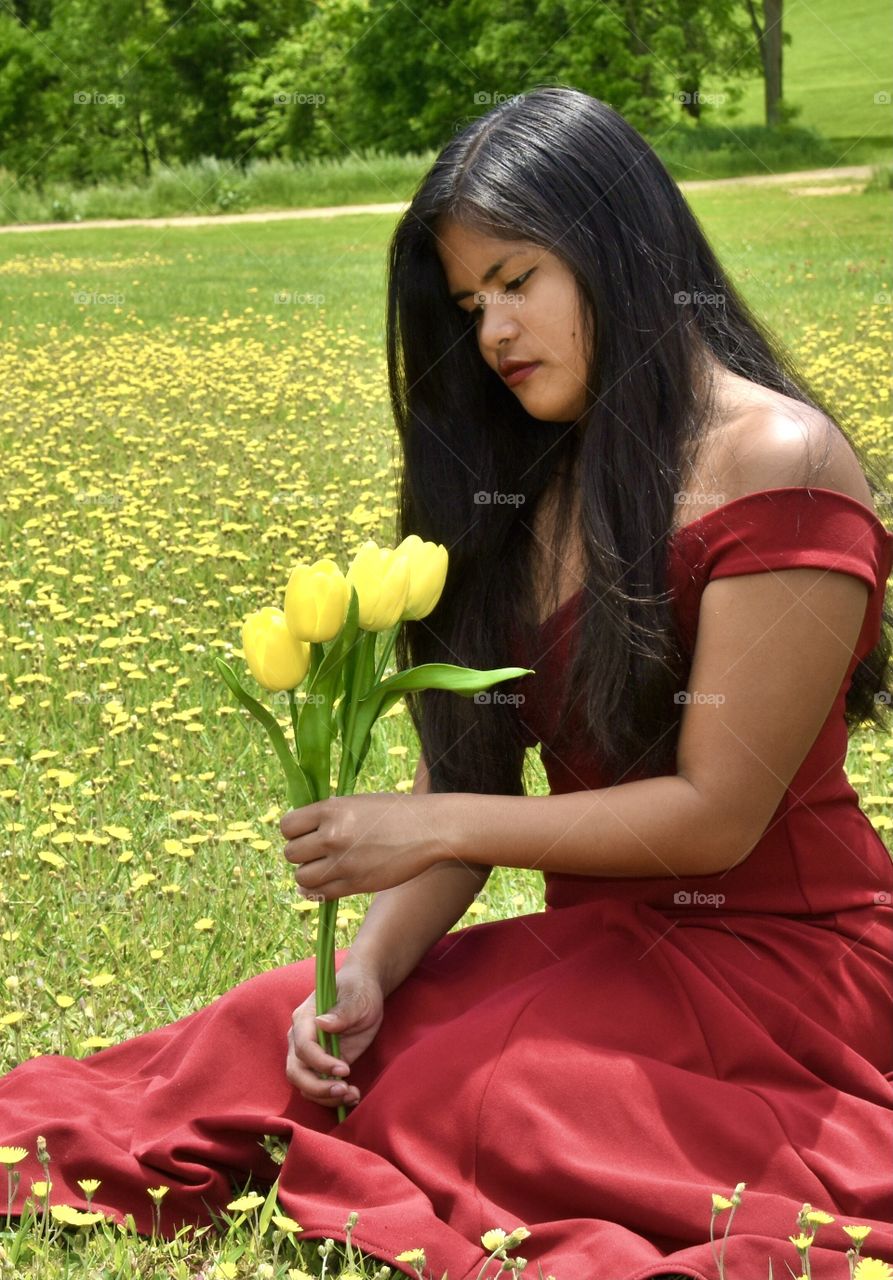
x: 520, y: 374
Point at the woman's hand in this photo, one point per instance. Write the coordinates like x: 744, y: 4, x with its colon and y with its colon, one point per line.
x: 360, y: 844
x: 356, y: 1017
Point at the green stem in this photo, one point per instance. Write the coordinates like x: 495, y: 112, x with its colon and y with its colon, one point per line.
x: 293, y: 708
x: 386, y: 653
x: 713, y: 1246
x: 722, y: 1251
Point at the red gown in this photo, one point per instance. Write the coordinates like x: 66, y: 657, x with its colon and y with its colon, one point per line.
x: 593, y: 1071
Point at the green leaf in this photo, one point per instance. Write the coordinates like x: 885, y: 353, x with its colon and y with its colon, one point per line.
x: 445, y: 675
x: 299, y: 791
x: 269, y: 1208
x: 430, y: 675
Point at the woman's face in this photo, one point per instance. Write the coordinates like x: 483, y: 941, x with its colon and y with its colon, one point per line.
x: 528, y: 309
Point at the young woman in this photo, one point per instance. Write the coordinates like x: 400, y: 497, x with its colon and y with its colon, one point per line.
x: 645, y: 505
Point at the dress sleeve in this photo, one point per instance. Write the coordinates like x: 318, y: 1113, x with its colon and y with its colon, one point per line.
x: 785, y: 528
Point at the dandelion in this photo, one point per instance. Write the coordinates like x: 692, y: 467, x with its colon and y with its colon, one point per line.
x: 801, y: 1243
x: 411, y: 1255
x: 8, y: 1157
x: 41, y: 1188
x: 246, y: 1203
x: 157, y: 1194
x: 818, y: 1217
x: 873, y: 1269
x: 719, y: 1203
x: 857, y: 1234
x: 295, y: 1273
x: 70, y: 1217
x: 89, y: 1186
x: 286, y: 1224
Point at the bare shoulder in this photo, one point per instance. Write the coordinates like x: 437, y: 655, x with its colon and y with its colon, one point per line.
x: 774, y: 442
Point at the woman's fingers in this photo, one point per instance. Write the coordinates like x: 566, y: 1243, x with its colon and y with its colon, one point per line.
x: 307, y: 1064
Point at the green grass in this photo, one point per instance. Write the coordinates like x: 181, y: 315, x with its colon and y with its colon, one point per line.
x: 167, y: 458
x: 213, y: 187
x: 836, y: 63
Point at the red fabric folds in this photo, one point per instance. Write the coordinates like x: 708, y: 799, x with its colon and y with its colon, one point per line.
x: 593, y: 1071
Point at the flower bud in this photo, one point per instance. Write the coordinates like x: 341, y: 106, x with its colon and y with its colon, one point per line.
x: 316, y: 601
x: 427, y: 575
x: 275, y: 659
x: 380, y: 576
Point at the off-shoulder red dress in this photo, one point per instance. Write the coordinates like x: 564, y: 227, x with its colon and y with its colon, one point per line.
x: 593, y: 1071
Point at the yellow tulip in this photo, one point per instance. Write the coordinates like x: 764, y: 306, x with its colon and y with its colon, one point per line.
x: 427, y: 575
x: 316, y: 601
x: 276, y: 661
x: 381, y: 578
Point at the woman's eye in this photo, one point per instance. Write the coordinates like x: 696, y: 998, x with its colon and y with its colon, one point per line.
x: 510, y: 288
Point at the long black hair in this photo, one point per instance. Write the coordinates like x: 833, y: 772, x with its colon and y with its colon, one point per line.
x: 565, y: 171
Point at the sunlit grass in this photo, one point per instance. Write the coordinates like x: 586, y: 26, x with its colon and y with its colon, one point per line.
x: 166, y: 458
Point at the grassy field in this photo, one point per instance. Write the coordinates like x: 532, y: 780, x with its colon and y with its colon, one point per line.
x: 836, y: 63
x: 836, y: 70
x: 186, y: 414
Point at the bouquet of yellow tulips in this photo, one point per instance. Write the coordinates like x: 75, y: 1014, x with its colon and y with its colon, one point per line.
x: 327, y: 633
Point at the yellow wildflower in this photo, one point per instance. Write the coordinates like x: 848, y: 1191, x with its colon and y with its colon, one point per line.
x: 246, y: 1203
x: 493, y: 1239
x: 41, y: 1188
x: 801, y: 1242
x: 158, y: 1193
x: 411, y: 1255
x: 74, y: 1217
x: 285, y: 1223
x: 89, y: 1185
x: 12, y: 1155
x: 720, y: 1203
x: 872, y: 1269
x: 818, y: 1217
x: 858, y: 1234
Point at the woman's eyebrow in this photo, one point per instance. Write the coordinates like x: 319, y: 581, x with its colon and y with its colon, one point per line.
x: 488, y: 275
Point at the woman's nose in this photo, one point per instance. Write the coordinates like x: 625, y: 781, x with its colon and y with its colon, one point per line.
x: 499, y: 321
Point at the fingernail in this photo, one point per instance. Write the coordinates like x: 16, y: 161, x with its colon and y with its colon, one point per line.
x: 340, y: 1070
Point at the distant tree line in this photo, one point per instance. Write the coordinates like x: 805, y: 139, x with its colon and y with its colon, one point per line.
x: 92, y: 91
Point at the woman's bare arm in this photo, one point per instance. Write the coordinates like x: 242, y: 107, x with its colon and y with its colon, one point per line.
x: 402, y: 923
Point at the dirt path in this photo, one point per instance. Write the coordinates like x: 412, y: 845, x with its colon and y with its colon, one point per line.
x: 854, y: 173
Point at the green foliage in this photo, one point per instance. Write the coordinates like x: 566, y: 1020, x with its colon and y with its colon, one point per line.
x: 127, y: 93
